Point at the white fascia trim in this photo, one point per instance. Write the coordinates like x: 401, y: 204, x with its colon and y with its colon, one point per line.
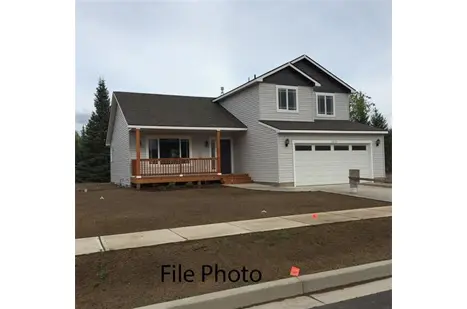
x: 108, y: 139
x: 262, y: 77
x: 326, y: 71
x: 332, y: 132
x: 304, y: 74
x: 186, y: 128
x: 269, y: 127
x: 297, y: 141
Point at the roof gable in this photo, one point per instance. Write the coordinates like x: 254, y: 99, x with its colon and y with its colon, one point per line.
x: 329, y: 81
x: 290, y: 77
x: 262, y: 78
x: 305, y: 66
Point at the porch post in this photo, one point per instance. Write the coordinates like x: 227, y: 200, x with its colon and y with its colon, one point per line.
x: 138, y: 153
x: 218, y: 148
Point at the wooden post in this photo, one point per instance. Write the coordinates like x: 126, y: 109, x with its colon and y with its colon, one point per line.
x: 138, y: 154
x: 218, y: 148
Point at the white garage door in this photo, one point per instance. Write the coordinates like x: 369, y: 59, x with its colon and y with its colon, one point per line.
x: 319, y: 164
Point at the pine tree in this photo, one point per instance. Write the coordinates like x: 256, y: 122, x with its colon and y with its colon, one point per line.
x: 94, y: 165
x: 360, y: 107
x: 77, y: 147
x: 378, y: 120
x: 388, y: 151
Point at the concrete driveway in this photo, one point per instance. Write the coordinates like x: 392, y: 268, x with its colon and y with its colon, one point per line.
x: 372, y: 192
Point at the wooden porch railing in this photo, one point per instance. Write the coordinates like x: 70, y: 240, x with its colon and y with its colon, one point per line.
x: 175, y: 166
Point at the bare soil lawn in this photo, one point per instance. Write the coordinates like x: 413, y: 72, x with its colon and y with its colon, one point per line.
x: 128, y: 210
x: 133, y: 278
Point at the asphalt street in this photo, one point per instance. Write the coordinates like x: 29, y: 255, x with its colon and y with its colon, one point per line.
x: 381, y: 300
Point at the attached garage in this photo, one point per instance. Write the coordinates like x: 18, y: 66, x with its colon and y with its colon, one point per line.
x: 321, y: 162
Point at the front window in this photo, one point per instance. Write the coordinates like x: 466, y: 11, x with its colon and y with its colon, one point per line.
x: 164, y: 148
x: 325, y: 104
x: 286, y: 98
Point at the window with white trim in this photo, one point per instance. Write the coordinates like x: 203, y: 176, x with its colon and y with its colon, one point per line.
x: 163, y: 148
x: 287, y: 98
x: 325, y: 104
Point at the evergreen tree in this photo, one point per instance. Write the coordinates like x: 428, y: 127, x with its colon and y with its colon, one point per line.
x: 388, y: 151
x: 378, y: 120
x: 94, y: 165
x: 360, y: 107
x: 77, y: 148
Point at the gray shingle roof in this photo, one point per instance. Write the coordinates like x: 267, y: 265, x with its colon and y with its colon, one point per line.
x: 172, y: 110
x: 320, y: 125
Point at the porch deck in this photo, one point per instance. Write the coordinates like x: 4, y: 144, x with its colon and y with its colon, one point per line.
x: 182, y: 168
x: 152, y: 171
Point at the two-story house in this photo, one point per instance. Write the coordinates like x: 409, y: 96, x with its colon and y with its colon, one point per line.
x: 288, y: 126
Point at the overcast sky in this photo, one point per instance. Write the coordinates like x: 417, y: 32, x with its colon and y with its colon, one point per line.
x: 195, y: 47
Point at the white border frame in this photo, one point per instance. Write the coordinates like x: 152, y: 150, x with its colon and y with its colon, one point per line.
x: 332, y: 142
x: 212, y: 141
x: 333, y: 95
x: 287, y: 99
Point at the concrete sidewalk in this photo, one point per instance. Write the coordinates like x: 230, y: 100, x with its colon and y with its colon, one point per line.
x: 365, y: 191
x: 180, y: 234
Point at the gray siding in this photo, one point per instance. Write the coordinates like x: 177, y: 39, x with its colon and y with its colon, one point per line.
x: 120, y: 148
x: 306, y: 105
x: 268, y: 104
x: 286, y: 168
x: 256, y: 150
x: 341, y: 106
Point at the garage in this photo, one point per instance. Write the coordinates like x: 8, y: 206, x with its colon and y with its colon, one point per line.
x: 329, y: 163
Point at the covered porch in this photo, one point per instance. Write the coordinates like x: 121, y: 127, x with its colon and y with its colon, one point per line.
x: 182, y: 155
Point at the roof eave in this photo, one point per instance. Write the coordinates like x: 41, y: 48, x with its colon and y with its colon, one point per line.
x: 133, y: 126
x: 331, y: 132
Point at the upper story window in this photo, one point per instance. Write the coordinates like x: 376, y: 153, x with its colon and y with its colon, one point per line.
x: 325, y: 104
x: 287, y: 98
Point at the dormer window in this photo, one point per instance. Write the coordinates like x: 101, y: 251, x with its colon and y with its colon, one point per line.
x: 287, y: 99
x: 325, y: 104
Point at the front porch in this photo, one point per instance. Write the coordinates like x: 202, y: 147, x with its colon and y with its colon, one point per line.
x: 182, y: 156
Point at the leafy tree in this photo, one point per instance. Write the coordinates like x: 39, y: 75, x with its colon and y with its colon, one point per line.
x: 360, y: 107
x: 378, y: 120
x: 94, y: 165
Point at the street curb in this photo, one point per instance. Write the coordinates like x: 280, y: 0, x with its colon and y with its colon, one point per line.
x: 279, y: 289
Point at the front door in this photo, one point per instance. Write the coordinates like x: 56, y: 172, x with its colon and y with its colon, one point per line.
x: 226, y: 156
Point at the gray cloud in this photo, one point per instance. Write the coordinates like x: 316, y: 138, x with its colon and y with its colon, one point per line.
x: 81, y: 118
x: 194, y: 48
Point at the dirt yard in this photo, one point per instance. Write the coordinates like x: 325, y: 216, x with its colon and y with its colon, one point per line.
x: 129, y: 210
x: 132, y: 278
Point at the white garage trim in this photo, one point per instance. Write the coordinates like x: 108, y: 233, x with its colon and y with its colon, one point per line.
x: 331, y: 132
x: 331, y: 142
